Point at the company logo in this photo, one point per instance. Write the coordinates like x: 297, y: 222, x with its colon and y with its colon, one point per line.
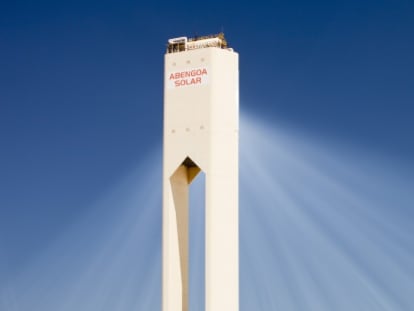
x: 190, y: 77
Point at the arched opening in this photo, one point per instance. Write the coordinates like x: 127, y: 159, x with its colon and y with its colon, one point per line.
x: 197, y: 243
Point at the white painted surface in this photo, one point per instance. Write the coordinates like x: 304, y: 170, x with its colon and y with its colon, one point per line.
x: 201, y: 122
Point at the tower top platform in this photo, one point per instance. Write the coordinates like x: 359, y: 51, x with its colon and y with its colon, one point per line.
x: 182, y: 44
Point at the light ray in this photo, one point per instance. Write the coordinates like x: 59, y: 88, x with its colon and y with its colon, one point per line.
x: 322, y: 227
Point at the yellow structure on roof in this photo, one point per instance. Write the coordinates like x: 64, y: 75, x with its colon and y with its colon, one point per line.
x: 182, y: 44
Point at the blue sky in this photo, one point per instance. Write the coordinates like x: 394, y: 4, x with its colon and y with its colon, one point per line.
x: 81, y: 98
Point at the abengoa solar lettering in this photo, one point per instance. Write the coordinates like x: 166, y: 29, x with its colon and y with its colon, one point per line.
x: 191, y: 77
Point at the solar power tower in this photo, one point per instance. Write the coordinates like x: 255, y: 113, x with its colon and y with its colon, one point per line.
x: 201, y: 123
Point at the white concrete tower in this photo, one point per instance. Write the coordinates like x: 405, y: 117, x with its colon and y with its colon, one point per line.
x: 201, y: 122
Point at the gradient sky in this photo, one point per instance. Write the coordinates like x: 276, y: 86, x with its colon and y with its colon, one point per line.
x: 81, y: 92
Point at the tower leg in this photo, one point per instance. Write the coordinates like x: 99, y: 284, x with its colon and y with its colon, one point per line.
x: 175, y: 242
x: 222, y: 232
